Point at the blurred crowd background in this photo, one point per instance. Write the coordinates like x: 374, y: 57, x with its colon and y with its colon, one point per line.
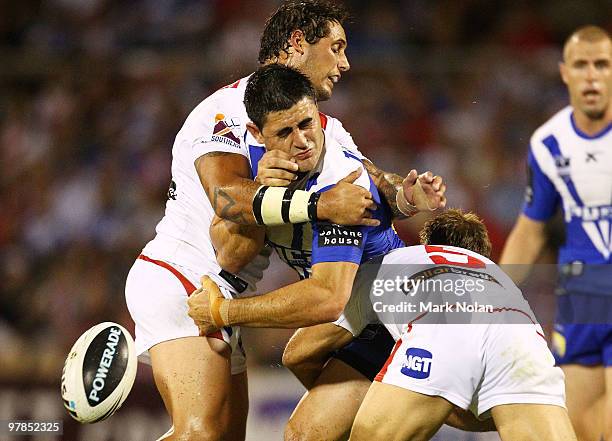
x: 92, y: 93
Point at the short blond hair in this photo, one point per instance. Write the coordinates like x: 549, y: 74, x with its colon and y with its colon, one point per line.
x: 588, y: 33
x: 457, y: 229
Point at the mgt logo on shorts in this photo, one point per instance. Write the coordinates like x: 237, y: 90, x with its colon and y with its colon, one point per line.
x: 418, y: 363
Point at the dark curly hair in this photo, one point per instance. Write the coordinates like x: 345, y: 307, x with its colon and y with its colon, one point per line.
x: 274, y: 88
x: 457, y: 229
x: 310, y: 16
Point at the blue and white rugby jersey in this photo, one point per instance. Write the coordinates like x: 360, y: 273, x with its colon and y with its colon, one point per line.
x: 573, y: 169
x: 302, y: 245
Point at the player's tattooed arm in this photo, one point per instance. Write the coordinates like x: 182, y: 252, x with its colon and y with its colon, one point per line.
x: 407, y: 196
x: 226, y: 178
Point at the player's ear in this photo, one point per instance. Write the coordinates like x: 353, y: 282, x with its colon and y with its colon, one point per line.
x: 254, y: 130
x: 296, y: 41
x: 563, y: 71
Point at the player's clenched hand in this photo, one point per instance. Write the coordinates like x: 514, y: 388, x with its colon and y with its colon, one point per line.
x: 347, y: 203
x: 276, y: 169
x: 200, y: 302
x: 425, y: 191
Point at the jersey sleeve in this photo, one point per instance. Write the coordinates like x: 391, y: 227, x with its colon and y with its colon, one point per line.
x: 541, y: 197
x: 337, y: 243
x: 216, y: 127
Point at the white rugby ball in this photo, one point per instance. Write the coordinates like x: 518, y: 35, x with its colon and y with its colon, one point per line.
x: 99, y: 372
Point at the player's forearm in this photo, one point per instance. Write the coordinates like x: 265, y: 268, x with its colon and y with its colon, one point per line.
x: 226, y: 178
x: 521, y: 249
x: 305, y: 303
x: 523, y: 246
x: 388, y: 184
x: 236, y: 245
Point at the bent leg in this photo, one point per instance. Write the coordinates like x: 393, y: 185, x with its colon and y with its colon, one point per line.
x: 308, y: 350
x: 542, y: 422
x: 192, y: 375
x: 392, y: 413
x: 327, y: 411
x: 585, y: 388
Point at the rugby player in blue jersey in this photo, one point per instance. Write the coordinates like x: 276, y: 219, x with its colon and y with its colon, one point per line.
x: 570, y: 165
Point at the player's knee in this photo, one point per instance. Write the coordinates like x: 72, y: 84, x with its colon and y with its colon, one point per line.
x: 291, y: 359
x: 298, y: 362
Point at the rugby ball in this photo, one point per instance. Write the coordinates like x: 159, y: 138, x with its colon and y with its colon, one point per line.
x: 99, y: 372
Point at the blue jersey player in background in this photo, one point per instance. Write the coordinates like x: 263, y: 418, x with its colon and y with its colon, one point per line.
x: 570, y: 165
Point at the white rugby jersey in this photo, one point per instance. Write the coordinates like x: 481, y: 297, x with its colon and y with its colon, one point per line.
x: 571, y: 168
x: 431, y: 277
x: 217, y: 124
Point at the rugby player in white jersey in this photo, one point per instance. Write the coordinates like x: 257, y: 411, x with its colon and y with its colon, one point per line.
x: 495, y: 364
x: 210, y: 174
x: 282, y: 107
x: 570, y: 159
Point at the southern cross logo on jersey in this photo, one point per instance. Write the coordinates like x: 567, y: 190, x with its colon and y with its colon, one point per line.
x: 224, y: 130
x: 333, y: 235
x: 418, y: 363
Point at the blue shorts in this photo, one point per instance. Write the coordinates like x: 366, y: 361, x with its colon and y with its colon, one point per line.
x: 585, y: 344
x: 583, y: 330
x: 368, y: 352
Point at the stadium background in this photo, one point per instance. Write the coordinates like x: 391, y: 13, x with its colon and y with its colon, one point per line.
x: 92, y: 93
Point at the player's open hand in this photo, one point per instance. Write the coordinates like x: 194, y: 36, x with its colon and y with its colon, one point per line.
x: 347, y: 204
x: 276, y: 169
x: 200, y: 304
x: 425, y: 191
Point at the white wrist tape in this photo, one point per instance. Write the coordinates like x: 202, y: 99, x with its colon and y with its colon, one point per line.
x: 405, y: 207
x: 298, y: 210
x: 279, y: 205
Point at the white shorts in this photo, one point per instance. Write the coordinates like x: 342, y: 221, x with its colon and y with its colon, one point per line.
x: 156, y: 294
x: 476, y: 367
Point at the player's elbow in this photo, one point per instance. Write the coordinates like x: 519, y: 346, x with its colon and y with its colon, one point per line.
x: 295, y: 359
